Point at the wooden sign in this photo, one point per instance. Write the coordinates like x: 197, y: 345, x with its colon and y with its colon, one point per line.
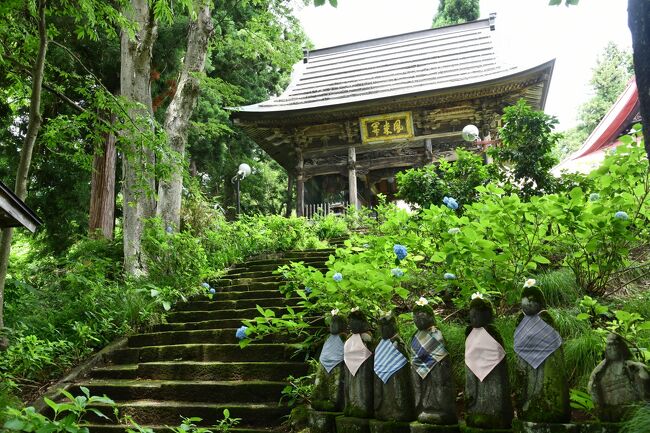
x: 386, y: 127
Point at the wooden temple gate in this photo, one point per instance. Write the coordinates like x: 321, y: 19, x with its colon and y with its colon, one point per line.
x: 355, y: 115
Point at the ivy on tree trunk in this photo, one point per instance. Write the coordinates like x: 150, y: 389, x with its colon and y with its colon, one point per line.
x: 179, y: 112
x: 639, y: 23
x: 139, y: 161
x: 34, y: 125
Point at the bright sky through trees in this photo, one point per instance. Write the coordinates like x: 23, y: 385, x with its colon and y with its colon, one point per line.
x: 530, y: 29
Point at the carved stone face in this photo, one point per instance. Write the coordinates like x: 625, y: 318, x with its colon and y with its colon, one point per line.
x: 615, y: 349
x: 479, y: 318
x: 530, y: 307
x: 423, y: 320
x: 338, y: 325
x: 358, y: 324
x: 388, y: 327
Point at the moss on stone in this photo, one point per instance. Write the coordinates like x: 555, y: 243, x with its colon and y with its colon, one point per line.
x: 535, y: 294
x: 346, y: 424
x: 519, y: 426
x: 417, y: 427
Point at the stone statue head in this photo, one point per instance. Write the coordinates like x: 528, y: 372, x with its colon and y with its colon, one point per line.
x: 423, y: 317
x: 532, y: 300
x: 358, y: 322
x: 616, y: 348
x: 388, y: 326
x: 481, y: 312
x: 338, y: 325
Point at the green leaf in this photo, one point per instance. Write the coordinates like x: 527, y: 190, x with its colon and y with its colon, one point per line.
x: 14, y: 424
x: 555, y: 2
x: 167, y: 305
x: 583, y: 316
x: 541, y: 259
x: 417, y: 258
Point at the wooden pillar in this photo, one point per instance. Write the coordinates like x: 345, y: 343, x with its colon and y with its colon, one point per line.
x: 428, y: 151
x: 300, y: 184
x: 352, y: 176
x: 287, y: 213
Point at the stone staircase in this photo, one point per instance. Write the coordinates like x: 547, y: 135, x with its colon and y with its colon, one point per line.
x: 193, y: 366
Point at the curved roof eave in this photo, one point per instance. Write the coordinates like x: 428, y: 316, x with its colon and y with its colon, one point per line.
x: 353, y: 102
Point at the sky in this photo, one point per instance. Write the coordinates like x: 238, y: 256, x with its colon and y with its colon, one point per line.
x: 529, y: 32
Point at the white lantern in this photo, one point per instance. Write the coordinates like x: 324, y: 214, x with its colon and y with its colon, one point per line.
x: 244, y: 170
x: 470, y: 133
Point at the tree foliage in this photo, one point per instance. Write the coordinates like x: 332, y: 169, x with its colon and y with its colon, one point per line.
x: 525, y: 156
x: 456, y: 12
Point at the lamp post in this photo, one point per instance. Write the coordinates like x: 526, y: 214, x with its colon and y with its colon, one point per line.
x: 243, y: 171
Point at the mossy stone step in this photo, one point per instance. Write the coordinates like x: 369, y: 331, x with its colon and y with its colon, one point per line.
x: 198, y: 336
x: 231, y: 294
x: 278, y: 262
x: 203, y: 352
x: 121, y: 428
x: 243, y: 273
x: 205, y: 324
x: 229, y: 304
x: 199, y: 316
x: 195, y: 370
x: 170, y: 412
x: 253, y: 391
x: 272, y: 267
x: 229, y: 280
x: 308, y: 255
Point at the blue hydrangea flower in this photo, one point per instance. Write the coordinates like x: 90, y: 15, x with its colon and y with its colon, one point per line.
x: 449, y: 276
x: 621, y: 215
x: 241, y: 332
x: 212, y: 291
x: 308, y: 290
x: 453, y: 231
x: 205, y: 285
x: 169, y: 229
x: 400, y: 251
x: 594, y: 196
x: 397, y: 272
x: 337, y: 277
x: 450, y: 202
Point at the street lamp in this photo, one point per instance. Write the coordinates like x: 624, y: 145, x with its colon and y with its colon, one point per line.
x: 243, y: 171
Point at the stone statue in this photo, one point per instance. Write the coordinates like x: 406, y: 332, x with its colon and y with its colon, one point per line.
x: 327, y: 395
x: 487, y: 386
x: 359, y: 374
x: 544, y: 397
x: 433, y: 380
x: 618, y: 383
x: 392, y: 390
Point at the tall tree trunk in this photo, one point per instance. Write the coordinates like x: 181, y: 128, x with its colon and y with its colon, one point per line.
x: 639, y: 22
x: 290, y: 177
x: 101, y: 220
x: 180, y: 110
x: 22, y: 173
x: 138, y: 186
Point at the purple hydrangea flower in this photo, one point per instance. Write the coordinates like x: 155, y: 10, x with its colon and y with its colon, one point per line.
x: 337, y: 277
x: 241, y: 332
x: 450, y: 202
x: 400, y: 251
x: 621, y: 215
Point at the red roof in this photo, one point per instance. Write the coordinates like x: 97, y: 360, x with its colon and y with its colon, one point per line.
x: 614, y: 123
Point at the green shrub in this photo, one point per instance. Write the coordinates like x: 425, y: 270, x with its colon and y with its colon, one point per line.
x: 559, y: 287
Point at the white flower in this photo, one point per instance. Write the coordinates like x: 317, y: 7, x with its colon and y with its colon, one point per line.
x: 477, y: 295
x: 530, y: 282
x: 335, y: 312
x: 422, y: 301
x: 453, y: 231
x: 352, y: 310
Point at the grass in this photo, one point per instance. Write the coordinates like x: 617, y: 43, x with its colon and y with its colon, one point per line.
x: 581, y: 355
x: 559, y: 287
x: 640, y: 421
x: 567, y: 324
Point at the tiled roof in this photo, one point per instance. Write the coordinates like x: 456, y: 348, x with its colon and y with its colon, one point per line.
x: 392, y: 66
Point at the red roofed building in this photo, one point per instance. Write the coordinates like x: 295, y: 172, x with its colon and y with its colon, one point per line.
x: 618, y: 121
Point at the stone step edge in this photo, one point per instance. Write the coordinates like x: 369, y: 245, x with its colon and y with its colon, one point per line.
x: 157, y: 383
x: 121, y: 428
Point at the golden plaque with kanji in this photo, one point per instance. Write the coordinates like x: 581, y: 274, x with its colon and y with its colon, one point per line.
x: 386, y: 127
